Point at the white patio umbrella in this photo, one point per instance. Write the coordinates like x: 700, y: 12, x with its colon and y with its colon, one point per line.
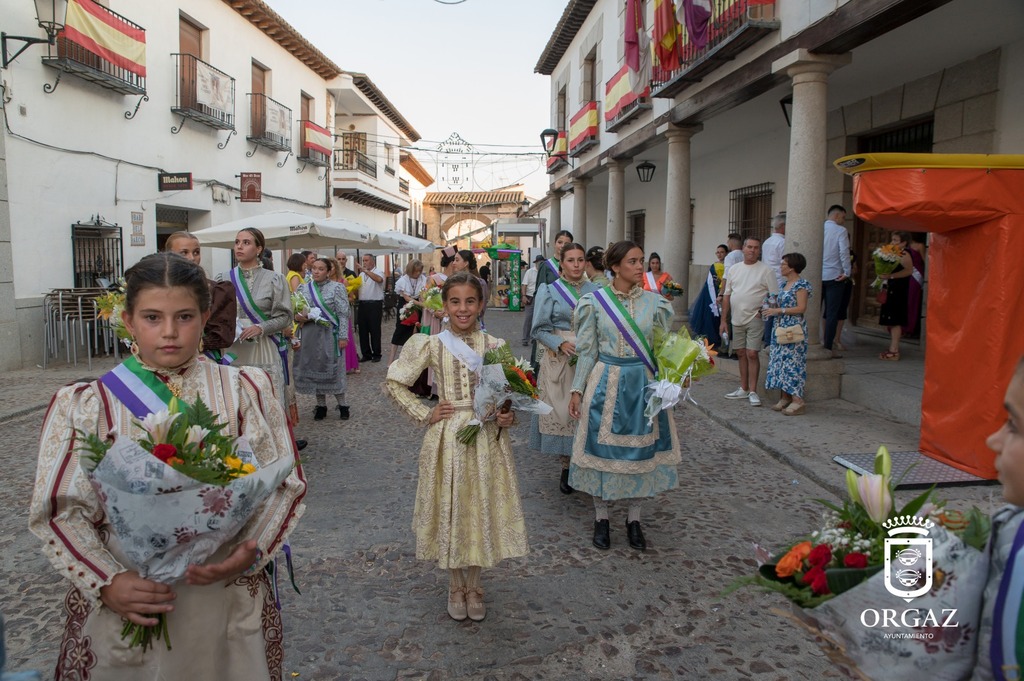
x: 285, y: 228
x: 397, y: 242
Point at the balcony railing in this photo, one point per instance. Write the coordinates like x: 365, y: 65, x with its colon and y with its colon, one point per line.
x: 734, y: 26
x: 403, y: 185
x: 621, y: 101
x: 583, y: 129
x: 270, y: 123
x: 350, y: 159
x: 204, y: 94
x: 560, y: 154
x: 79, y: 53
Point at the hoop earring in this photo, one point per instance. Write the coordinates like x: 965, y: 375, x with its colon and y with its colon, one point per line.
x: 134, y: 347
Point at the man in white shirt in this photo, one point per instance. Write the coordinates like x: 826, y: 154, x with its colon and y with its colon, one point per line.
x: 771, y: 254
x: 836, y: 287
x: 529, y: 290
x: 746, y: 286
x: 371, y: 308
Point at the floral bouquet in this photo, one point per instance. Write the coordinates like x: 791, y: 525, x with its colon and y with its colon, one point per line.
x: 409, y: 315
x: 299, y: 303
x: 671, y: 288
x: 109, y: 307
x: 680, y: 359
x: 176, y: 495
x: 430, y: 299
x: 887, y: 258
x: 862, y: 562
x: 506, y: 383
x: 352, y: 285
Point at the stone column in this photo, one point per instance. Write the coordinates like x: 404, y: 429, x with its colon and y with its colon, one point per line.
x: 10, y: 330
x: 579, y: 209
x: 678, y: 224
x: 616, y: 229
x: 805, y: 203
x: 554, y: 218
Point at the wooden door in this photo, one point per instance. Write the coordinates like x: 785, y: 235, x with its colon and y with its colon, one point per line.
x: 258, y: 101
x: 190, y: 42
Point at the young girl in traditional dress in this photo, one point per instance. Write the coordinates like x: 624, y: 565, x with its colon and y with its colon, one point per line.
x: 616, y: 454
x: 553, y: 307
x: 223, y: 621
x: 468, y: 514
x: 320, y: 368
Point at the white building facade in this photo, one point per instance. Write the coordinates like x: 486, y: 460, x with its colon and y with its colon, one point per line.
x: 220, y: 91
x: 749, y: 124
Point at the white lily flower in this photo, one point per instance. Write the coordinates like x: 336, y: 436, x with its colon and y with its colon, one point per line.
x: 875, y: 497
x: 158, y: 425
x: 195, y: 434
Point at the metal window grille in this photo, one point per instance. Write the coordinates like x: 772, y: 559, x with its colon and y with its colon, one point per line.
x: 97, y: 253
x: 750, y: 210
x: 912, y: 139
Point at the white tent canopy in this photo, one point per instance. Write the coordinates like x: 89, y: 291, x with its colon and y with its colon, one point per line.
x: 290, y: 229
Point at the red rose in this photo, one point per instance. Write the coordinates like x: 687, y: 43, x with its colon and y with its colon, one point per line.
x: 164, y: 452
x: 820, y: 556
x: 855, y: 560
x: 817, y: 579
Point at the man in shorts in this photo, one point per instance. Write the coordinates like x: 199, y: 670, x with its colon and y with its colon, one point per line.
x: 747, y: 284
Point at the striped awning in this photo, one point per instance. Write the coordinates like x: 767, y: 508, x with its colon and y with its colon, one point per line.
x: 474, y: 198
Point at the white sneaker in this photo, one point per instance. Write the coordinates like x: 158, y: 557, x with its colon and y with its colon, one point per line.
x: 737, y: 394
x: 755, y: 401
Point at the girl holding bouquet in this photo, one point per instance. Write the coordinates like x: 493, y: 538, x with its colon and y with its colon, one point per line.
x: 894, y: 314
x: 553, y: 307
x: 468, y: 514
x: 222, y: 617
x: 320, y: 370
x: 409, y: 287
x: 655, y: 279
x: 616, y: 454
x: 264, y: 310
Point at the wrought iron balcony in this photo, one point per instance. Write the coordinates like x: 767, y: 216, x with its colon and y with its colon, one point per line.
x: 351, y: 159
x: 82, y: 56
x: 735, y: 25
x: 403, y: 185
x: 583, y: 129
x: 203, y: 93
x: 621, y: 101
x: 270, y: 123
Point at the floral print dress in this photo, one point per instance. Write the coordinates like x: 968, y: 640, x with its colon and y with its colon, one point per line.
x: 787, y: 364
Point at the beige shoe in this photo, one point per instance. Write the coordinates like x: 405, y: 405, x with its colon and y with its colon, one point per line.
x: 794, y: 409
x: 457, y: 603
x: 781, y: 404
x: 475, y: 603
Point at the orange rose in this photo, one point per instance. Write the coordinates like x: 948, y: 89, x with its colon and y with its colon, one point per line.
x: 794, y: 560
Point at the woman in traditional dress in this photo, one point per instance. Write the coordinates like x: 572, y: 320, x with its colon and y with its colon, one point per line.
x: 549, y: 271
x: 616, y: 454
x: 320, y: 370
x: 894, y: 312
x: 787, y: 363
x: 705, y: 315
x: 409, y: 287
x: 465, y: 261
x: 553, y: 308
x: 595, y: 267
x: 468, y: 513
x: 655, y: 279
x: 222, y: 617
x: 264, y: 310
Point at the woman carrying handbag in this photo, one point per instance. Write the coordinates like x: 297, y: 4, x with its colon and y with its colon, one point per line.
x: 787, y: 363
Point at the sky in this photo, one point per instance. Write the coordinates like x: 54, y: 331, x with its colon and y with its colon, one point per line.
x: 465, y: 68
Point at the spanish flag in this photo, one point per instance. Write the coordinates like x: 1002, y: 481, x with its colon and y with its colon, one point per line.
x: 667, y: 35
x: 106, y: 35
x: 317, y: 138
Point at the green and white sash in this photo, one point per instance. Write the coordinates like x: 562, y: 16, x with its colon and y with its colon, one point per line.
x: 569, y: 293
x: 141, y: 391
x: 627, y: 327
x: 328, y: 313
x: 256, y: 315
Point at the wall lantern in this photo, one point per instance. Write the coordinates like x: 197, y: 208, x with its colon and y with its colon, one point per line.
x: 50, y: 14
x: 548, y: 139
x: 645, y: 171
x: 787, y: 109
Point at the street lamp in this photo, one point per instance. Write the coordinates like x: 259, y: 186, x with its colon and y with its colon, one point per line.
x: 645, y: 171
x: 787, y: 109
x: 547, y: 139
x: 50, y: 15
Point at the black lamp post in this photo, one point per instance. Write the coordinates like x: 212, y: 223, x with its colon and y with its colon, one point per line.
x: 548, y: 139
x: 50, y: 15
x: 645, y: 171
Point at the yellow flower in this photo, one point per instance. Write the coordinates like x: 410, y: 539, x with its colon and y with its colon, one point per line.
x: 248, y: 468
x: 233, y: 462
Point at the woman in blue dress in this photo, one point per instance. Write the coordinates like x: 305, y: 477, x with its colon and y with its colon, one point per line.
x: 787, y: 363
x: 705, y: 315
x: 553, y: 307
x: 616, y: 453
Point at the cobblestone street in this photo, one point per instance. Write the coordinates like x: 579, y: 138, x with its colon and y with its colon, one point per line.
x: 370, y: 610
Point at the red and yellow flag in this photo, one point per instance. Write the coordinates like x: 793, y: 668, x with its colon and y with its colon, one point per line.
x: 667, y: 35
x: 583, y: 125
x: 619, y: 93
x: 106, y: 35
x: 316, y: 138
